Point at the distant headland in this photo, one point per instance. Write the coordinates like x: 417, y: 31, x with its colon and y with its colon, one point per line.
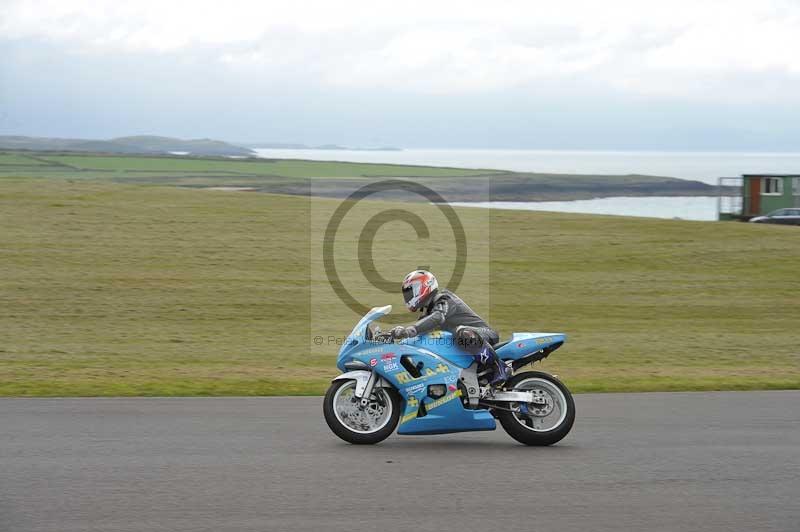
x: 298, y: 146
x: 139, y: 145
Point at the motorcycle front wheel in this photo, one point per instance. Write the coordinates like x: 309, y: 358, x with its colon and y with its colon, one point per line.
x: 542, y: 423
x: 362, y: 426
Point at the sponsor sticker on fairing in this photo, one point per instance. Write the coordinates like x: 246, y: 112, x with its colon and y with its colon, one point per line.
x: 417, y: 388
x: 373, y: 362
x: 391, y: 366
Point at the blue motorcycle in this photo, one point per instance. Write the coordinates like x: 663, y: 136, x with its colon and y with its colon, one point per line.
x: 428, y: 385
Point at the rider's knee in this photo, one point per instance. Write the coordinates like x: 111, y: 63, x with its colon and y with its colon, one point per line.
x: 468, y: 339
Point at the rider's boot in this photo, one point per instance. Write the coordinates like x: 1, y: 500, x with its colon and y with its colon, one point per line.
x: 501, y: 370
x: 501, y: 373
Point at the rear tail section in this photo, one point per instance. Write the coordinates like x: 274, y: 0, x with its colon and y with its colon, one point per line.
x: 526, y: 348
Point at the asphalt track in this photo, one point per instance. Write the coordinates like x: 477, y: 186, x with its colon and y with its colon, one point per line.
x: 639, y: 462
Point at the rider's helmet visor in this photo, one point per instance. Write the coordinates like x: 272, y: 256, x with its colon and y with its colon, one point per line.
x: 408, y: 294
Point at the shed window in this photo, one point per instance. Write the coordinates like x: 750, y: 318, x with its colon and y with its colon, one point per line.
x: 772, y: 186
x: 796, y: 186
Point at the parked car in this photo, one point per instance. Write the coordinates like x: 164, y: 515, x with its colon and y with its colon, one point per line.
x: 781, y: 216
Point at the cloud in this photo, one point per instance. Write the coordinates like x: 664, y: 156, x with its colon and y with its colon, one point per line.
x: 575, y: 74
x: 680, y: 49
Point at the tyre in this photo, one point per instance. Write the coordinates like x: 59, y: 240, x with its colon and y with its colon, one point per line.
x: 370, y: 425
x: 539, y: 424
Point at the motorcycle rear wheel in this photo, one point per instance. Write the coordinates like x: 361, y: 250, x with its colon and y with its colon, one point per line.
x: 543, y: 424
x: 354, y: 425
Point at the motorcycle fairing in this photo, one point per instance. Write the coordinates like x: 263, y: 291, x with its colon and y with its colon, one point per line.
x: 442, y: 414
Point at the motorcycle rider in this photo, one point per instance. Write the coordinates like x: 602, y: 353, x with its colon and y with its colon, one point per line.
x: 443, y: 309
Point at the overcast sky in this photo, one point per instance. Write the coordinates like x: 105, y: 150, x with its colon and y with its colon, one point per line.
x: 674, y: 74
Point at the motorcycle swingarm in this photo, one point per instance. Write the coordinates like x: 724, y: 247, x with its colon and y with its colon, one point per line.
x: 514, y: 397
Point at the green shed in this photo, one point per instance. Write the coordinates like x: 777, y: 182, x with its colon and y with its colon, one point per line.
x: 758, y: 195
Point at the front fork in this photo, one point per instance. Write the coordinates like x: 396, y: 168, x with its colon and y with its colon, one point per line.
x: 365, y: 395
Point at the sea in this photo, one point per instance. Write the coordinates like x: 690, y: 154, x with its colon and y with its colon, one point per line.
x: 706, y: 167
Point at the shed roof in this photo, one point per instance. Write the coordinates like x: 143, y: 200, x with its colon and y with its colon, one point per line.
x: 770, y: 175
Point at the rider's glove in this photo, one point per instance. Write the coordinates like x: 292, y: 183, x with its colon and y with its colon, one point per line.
x: 401, y: 332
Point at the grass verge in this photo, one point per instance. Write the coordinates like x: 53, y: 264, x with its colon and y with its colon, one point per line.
x: 134, y: 290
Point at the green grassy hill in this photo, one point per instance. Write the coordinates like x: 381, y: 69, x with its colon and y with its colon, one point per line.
x: 117, y: 289
x: 336, y: 179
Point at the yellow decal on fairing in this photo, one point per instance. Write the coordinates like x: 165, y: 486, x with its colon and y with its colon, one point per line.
x: 403, y: 377
x: 430, y: 406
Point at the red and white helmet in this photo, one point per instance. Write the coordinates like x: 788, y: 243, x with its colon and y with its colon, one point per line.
x: 418, y: 287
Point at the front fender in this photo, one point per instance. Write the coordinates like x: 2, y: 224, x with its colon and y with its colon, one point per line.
x: 361, y: 377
